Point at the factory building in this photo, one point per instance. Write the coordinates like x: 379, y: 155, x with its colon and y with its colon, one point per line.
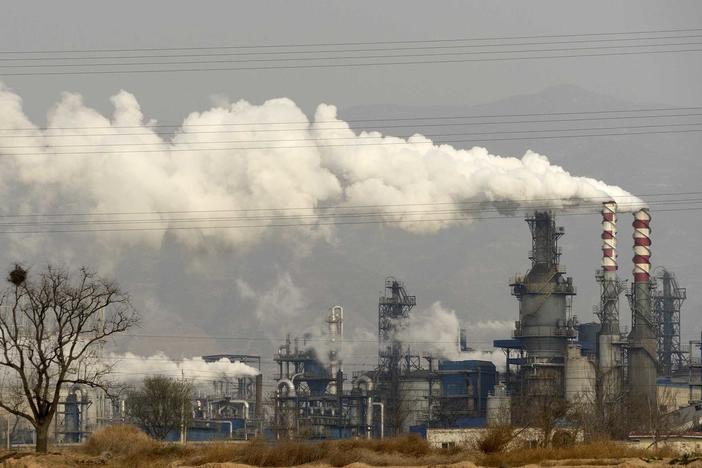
x: 405, y: 392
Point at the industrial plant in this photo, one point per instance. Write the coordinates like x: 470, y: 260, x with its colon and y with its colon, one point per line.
x: 550, y: 360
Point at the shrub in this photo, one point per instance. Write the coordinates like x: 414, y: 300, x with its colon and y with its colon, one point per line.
x: 119, y: 440
x: 495, y: 439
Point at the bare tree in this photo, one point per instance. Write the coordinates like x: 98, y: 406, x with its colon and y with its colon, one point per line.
x: 161, y: 405
x: 541, y: 411
x: 51, y: 329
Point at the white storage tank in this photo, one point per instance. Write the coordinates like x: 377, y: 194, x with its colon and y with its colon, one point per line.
x: 579, y: 376
x: 498, y: 410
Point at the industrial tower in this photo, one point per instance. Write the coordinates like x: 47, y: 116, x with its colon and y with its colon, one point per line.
x: 544, y: 325
x: 668, y: 299
x: 610, y: 351
x: 394, y: 358
x: 642, y: 339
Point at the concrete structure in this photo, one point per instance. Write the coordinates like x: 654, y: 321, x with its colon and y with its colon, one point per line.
x: 683, y: 442
x: 610, y: 351
x: 499, y: 407
x: 642, y: 339
x: 469, y: 437
x: 579, y: 376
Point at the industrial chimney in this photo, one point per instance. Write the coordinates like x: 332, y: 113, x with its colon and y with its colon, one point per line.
x: 642, y: 339
x: 609, y: 350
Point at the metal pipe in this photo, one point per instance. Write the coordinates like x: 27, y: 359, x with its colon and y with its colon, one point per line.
x: 289, y: 385
x: 244, y: 404
x: 364, y: 379
x: 382, y: 417
x: 231, y: 427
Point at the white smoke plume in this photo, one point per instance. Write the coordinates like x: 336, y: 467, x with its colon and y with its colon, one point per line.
x: 133, y: 368
x: 436, y: 331
x: 232, y: 164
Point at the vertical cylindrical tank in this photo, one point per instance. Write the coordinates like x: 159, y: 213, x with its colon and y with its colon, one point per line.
x: 579, y: 376
x: 499, y: 407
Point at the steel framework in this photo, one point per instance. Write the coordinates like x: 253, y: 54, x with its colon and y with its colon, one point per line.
x: 668, y: 299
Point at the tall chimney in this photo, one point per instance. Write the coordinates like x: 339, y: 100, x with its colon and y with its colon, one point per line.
x: 642, y: 246
x: 609, y: 351
x: 642, y: 351
x: 609, y: 238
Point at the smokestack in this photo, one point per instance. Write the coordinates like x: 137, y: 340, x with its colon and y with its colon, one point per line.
x: 609, y: 351
x: 642, y: 354
x: 609, y: 239
x: 642, y: 246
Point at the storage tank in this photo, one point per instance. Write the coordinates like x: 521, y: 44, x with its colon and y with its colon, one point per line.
x: 579, y: 376
x: 499, y: 407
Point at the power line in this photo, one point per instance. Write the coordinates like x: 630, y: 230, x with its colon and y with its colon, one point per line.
x: 376, y: 49
x: 455, y: 211
x: 339, y: 65
x: 318, y: 44
x: 352, y: 57
x: 334, y: 207
x: 407, y: 143
x: 379, y: 119
x: 316, y: 224
x: 353, y: 137
x: 310, y: 127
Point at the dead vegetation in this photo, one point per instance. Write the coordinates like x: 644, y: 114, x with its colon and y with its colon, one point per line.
x: 592, y: 453
x: 496, y: 439
x: 127, y: 446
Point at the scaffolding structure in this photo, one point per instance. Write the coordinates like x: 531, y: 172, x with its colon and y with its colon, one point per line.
x: 695, y: 369
x: 395, y: 360
x: 667, y: 301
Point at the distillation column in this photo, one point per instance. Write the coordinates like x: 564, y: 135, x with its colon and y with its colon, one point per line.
x: 642, y: 347
x: 544, y: 327
x: 609, y: 351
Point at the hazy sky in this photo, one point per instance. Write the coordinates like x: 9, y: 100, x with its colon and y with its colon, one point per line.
x: 279, y: 284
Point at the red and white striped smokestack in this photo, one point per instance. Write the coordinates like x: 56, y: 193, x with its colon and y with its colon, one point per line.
x: 642, y: 246
x: 609, y: 236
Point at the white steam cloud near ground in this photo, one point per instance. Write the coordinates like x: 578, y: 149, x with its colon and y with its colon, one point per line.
x: 436, y: 331
x: 243, y: 157
x: 129, y: 367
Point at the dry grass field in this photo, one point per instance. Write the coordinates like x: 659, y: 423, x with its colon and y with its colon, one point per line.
x: 126, y: 446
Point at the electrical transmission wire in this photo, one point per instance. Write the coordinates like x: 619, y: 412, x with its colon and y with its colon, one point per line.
x: 349, y: 43
x: 187, y: 132
x: 287, y: 225
x: 352, y: 57
x: 382, y: 119
x: 325, y: 208
x: 316, y: 51
x: 350, y: 145
x: 353, y: 137
x: 340, y: 65
x: 343, y: 215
